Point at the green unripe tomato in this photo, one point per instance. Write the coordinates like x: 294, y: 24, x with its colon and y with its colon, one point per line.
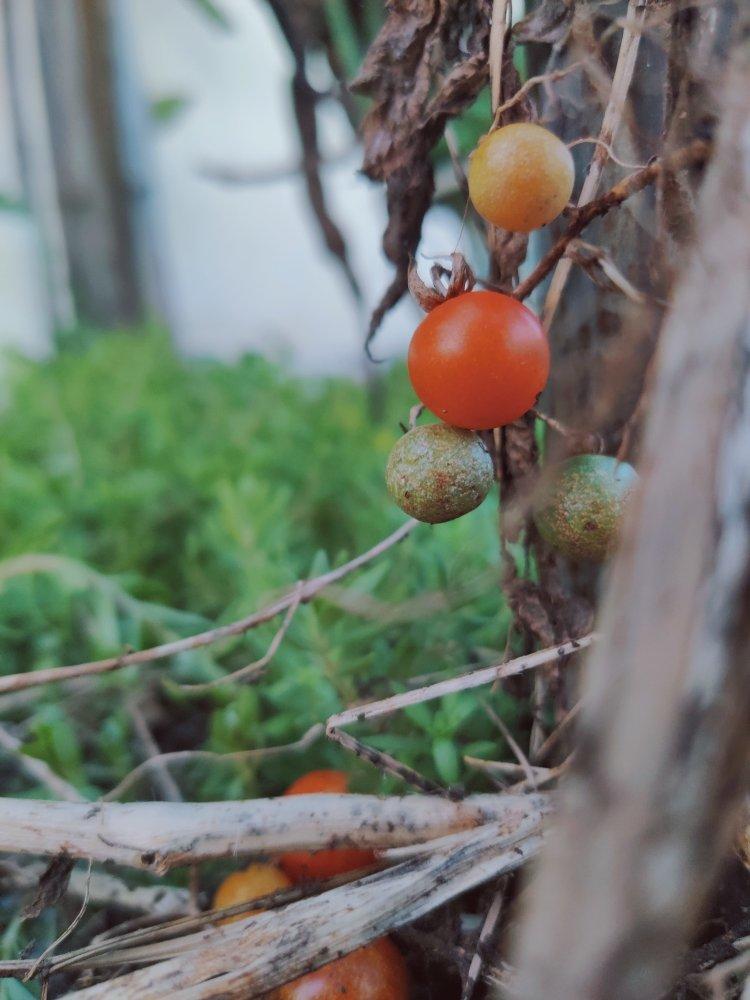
x: 436, y: 473
x: 580, y: 511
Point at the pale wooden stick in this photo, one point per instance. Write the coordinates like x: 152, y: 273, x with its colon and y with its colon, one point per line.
x: 498, y: 31
x: 160, y: 835
x: 251, y: 957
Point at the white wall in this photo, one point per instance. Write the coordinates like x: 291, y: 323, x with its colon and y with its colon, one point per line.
x: 24, y: 323
x: 242, y: 268
x: 246, y: 266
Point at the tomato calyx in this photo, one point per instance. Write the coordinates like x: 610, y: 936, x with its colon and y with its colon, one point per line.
x: 447, y: 282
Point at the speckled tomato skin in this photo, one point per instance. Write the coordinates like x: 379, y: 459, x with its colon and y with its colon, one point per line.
x: 580, y: 512
x: 521, y: 177
x: 436, y: 473
x: 251, y: 883
x: 479, y: 360
x: 375, y: 972
x: 305, y: 866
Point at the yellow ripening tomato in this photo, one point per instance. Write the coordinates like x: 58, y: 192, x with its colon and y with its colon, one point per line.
x: 521, y: 177
x: 251, y: 883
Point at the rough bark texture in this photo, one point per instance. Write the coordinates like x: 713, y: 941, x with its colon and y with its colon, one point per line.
x: 663, y: 745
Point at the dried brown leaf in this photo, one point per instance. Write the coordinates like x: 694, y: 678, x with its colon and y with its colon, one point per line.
x: 447, y: 282
x: 52, y: 885
x: 530, y: 610
x: 428, y: 63
x: 549, y: 22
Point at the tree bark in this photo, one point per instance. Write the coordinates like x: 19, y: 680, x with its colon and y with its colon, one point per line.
x: 664, y: 742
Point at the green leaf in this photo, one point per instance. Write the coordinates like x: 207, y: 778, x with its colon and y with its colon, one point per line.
x: 485, y: 749
x: 9, y: 203
x: 343, y: 35
x: 447, y: 761
x: 11, y: 989
x: 421, y: 716
x: 165, y: 110
x: 212, y: 10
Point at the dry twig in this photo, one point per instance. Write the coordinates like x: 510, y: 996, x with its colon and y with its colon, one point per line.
x: 37, y: 769
x: 535, y: 81
x: 308, y: 590
x: 252, y: 671
x: 186, y: 756
x: 155, y: 759
x: 157, y: 836
x: 251, y: 957
x: 629, y: 45
x: 465, y: 682
x: 485, y: 936
x: 662, y: 762
x: 697, y: 152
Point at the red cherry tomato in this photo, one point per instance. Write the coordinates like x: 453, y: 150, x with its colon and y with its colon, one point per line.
x: 251, y: 883
x: 302, y: 866
x: 375, y: 972
x: 479, y: 360
x: 319, y: 782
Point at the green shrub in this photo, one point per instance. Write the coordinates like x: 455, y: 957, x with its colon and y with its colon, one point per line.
x: 144, y: 496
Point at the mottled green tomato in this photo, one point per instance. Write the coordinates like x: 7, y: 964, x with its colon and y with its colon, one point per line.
x: 580, y: 511
x: 437, y: 473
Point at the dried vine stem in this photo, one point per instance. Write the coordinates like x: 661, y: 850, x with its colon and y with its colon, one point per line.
x: 157, y: 836
x: 697, y: 152
x: 466, y: 682
x: 485, y: 937
x: 626, y: 59
x: 489, y: 675
x: 252, y: 671
x: 104, y: 890
x: 184, y: 756
x: 301, y: 594
x: 248, y: 958
x: 535, y: 81
x: 37, y: 769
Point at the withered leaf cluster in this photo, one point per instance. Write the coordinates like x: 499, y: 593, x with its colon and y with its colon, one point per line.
x: 427, y: 64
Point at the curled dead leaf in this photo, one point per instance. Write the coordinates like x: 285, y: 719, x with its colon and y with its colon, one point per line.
x: 427, y: 63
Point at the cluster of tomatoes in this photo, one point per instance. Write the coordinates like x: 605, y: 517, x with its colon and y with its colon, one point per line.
x: 374, y: 972
x: 480, y: 360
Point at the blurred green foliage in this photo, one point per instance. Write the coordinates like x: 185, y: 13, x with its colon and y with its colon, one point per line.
x: 145, y: 496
